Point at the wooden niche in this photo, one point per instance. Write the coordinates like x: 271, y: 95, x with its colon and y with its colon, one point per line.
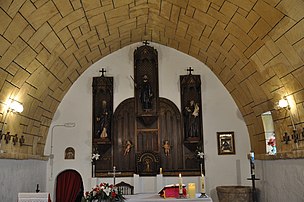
x: 191, y: 109
x: 102, y: 121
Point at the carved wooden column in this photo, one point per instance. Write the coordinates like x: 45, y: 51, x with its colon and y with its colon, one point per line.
x: 146, y: 101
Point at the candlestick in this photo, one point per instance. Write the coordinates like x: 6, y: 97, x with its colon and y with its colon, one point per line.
x: 37, y: 189
x: 203, y: 184
x: 180, y: 184
x: 160, y: 171
x: 203, y: 190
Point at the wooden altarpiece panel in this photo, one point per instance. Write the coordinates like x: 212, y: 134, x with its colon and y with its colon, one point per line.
x: 191, y: 109
x: 191, y: 106
x: 146, y: 83
x: 102, y: 121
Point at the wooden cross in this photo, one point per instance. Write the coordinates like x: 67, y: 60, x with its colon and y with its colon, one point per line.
x: 146, y: 42
x: 114, y: 173
x: 190, y: 70
x: 102, y: 71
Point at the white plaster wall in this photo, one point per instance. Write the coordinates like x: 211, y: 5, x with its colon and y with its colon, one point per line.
x: 280, y: 180
x: 21, y: 176
x: 219, y: 114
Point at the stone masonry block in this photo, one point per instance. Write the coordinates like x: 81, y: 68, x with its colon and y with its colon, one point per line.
x: 5, y: 20
x: 40, y: 34
x: 201, y: 5
x: 165, y: 9
x: 293, y: 9
x: 68, y: 20
x: 12, y: 52
x: 294, y: 59
x: 270, y: 14
x: 296, y: 33
x: 42, y: 14
x: 218, y: 15
x: 15, y: 28
x: 14, y: 7
x: 205, y: 18
x: 64, y: 7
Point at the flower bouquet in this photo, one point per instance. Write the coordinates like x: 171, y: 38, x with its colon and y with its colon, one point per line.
x: 104, y: 192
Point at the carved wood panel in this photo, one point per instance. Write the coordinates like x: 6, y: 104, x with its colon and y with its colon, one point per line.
x: 170, y: 130
x: 146, y: 79
x: 124, y: 131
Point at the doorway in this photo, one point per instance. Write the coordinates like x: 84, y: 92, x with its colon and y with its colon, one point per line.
x: 69, y: 186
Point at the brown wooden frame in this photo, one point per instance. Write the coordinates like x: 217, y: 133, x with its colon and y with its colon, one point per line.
x: 225, y: 143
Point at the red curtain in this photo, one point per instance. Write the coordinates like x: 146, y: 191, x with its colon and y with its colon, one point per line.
x: 69, y: 186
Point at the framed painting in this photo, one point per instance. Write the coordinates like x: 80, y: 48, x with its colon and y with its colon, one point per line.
x: 225, y: 143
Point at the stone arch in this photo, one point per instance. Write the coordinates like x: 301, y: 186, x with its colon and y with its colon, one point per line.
x: 253, y: 47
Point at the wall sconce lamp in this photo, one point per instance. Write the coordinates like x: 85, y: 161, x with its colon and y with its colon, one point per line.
x: 14, y: 107
x: 66, y: 125
x: 283, y: 103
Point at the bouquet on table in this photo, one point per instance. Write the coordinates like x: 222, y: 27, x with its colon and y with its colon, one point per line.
x: 104, y: 192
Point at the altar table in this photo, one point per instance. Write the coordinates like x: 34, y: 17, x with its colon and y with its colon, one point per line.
x: 156, y: 197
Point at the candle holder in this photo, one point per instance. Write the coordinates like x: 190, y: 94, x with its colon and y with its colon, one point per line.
x: 203, y: 195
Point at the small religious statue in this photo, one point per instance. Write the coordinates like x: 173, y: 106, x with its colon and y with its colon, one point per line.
x: 167, y: 147
x: 128, y: 147
x: 191, y: 114
x: 146, y: 94
x: 103, y: 121
x: 147, y: 165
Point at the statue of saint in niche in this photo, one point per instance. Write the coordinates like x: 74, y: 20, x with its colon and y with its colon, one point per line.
x: 146, y: 94
x: 103, y: 121
x: 191, y: 121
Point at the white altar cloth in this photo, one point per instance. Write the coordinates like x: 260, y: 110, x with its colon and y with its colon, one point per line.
x: 156, y: 197
x: 33, y: 197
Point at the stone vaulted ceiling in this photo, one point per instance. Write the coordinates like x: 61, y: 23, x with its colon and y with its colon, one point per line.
x: 255, y: 47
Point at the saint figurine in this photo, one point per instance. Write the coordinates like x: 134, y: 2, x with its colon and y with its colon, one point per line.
x: 128, y: 147
x: 191, y: 123
x: 167, y: 148
x: 103, y: 121
x: 146, y: 94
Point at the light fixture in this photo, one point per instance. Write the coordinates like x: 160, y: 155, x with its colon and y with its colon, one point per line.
x: 16, y: 106
x: 283, y: 103
x: 67, y: 125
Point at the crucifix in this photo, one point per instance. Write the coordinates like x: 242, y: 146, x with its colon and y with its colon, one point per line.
x: 146, y: 42
x: 114, y: 173
x: 102, y: 71
x: 190, y: 70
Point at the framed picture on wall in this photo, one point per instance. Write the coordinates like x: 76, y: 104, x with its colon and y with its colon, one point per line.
x: 225, y: 143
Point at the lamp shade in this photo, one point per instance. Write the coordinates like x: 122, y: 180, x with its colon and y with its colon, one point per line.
x: 16, y: 106
x: 283, y: 103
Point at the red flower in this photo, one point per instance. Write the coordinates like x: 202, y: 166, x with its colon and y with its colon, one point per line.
x: 113, y: 194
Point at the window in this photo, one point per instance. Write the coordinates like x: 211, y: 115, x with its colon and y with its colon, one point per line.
x: 269, y: 133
